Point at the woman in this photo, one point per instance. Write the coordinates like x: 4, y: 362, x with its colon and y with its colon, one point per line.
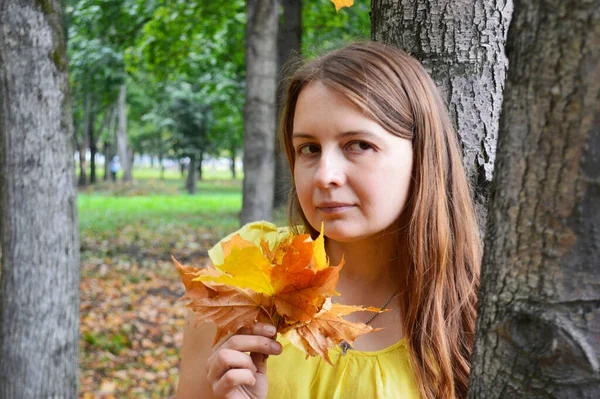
x: 374, y: 157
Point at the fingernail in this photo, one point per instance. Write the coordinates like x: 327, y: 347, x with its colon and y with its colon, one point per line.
x: 276, y: 346
x: 270, y: 329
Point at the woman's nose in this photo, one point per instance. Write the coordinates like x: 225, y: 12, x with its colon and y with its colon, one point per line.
x: 330, y: 170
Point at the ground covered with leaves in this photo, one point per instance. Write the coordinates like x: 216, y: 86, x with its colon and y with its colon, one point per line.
x: 131, y: 319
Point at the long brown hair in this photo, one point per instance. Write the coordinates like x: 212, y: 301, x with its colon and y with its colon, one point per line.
x: 442, y: 236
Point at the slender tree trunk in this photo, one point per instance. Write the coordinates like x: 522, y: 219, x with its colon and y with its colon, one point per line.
x: 190, y: 183
x: 109, y: 151
x: 200, y: 166
x: 161, y: 165
x: 85, y: 140
x: 461, y: 43
x: 289, y: 45
x: 39, y: 229
x: 95, y: 135
x: 122, y: 148
x: 107, y: 157
x: 259, y: 110
x: 92, y: 141
x: 232, y: 166
x: 538, y: 331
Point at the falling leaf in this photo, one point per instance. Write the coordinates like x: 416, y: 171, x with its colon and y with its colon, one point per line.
x: 342, y: 3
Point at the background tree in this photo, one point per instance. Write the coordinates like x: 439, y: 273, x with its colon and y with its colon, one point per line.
x: 259, y: 110
x: 538, y: 331
x: 461, y: 44
x: 306, y: 30
x: 191, y: 123
x: 39, y: 295
x: 289, y: 46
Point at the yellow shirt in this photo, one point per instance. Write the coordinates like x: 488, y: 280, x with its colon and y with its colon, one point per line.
x: 357, y: 375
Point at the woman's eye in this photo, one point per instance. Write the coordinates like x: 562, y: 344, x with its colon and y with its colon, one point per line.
x: 308, y: 149
x: 360, y: 146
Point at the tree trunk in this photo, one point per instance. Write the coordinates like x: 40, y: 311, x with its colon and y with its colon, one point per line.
x: 92, y: 141
x: 39, y: 233
x: 109, y: 143
x: 190, y: 183
x: 161, y: 165
x: 232, y: 166
x: 538, y: 331
x: 122, y: 149
x: 289, y: 44
x: 200, y: 166
x: 107, y: 158
x: 94, y: 136
x: 259, y: 110
x: 85, y: 140
x: 461, y: 44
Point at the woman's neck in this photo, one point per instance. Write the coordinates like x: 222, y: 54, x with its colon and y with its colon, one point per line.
x: 371, y: 265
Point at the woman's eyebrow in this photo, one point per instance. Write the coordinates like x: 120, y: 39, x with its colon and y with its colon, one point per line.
x: 302, y: 136
x: 341, y: 135
x: 356, y: 133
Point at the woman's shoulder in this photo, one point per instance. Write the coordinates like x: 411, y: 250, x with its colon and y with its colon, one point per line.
x: 254, y: 232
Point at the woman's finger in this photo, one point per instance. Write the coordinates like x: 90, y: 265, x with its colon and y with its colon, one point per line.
x: 266, y: 330
x: 260, y: 362
x: 225, y: 359
x: 253, y: 343
x: 232, y: 379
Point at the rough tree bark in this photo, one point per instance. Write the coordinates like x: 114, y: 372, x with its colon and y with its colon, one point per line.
x: 461, y: 44
x: 122, y: 149
x: 289, y: 44
x: 538, y: 331
x: 259, y: 110
x: 39, y: 294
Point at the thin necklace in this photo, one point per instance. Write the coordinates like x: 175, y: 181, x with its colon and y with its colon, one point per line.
x: 345, y: 345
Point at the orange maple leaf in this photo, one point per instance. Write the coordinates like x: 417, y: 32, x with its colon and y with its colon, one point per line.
x: 327, y: 329
x: 289, y: 285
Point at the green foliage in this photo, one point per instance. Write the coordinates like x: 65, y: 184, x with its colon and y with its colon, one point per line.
x: 183, y: 63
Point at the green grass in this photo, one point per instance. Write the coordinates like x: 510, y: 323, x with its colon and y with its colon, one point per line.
x: 173, y: 174
x: 102, y: 213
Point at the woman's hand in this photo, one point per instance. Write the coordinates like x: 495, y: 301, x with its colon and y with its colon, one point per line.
x: 233, y: 374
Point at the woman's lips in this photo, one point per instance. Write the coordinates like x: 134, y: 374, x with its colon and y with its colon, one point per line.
x: 333, y: 207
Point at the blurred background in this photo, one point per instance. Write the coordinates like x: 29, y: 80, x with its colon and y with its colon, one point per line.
x: 158, y: 91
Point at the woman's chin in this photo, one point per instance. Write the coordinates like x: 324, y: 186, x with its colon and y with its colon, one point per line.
x: 342, y: 231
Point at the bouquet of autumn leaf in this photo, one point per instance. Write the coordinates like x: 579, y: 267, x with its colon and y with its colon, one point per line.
x: 260, y: 274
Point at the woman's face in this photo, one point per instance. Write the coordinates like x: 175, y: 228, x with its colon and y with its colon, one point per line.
x: 349, y: 172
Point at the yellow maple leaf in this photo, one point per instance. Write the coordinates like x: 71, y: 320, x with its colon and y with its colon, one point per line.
x: 319, y: 250
x: 245, y: 268
x: 342, y: 3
